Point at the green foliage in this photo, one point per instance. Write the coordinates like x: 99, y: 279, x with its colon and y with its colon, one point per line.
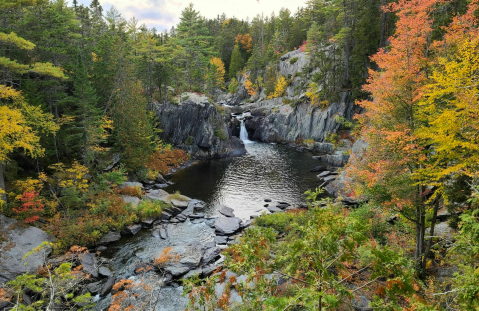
x: 233, y: 86
x: 221, y: 134
x: 236, y: 63
x: 189, y: 141
x: 277, y: 221
x: 293, y: 60
x: 148, y: 209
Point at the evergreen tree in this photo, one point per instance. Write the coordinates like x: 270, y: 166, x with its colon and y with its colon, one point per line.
x: 236, y: 62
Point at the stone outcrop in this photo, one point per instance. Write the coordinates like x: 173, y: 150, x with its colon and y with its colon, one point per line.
x: 272, y: 121
x: 338, y: 186
x: 199, y: 128
x: 16, y: 240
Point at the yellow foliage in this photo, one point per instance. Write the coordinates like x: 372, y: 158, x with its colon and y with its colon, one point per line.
x: 217, y: 72
x: 71, y: 177
x: 19, y: 42
x: 249, y: 86
x: 279, y: 88
x: 314, y: 96
x: 450, y: 107
x: 15, y: 133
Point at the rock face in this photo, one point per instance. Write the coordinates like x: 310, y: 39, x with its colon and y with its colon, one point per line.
x: 338, y: 186
x: 15, y: 242
x: 274, y: 122
x: 199, y: 129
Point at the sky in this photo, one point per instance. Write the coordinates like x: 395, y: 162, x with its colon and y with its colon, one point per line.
x: 163, y: 14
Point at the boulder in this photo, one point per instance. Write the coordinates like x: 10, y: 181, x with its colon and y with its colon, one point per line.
x: 132, y: 229
x: 94, y: 288
x: 183, y: 204
x: 226, y: 211
x: 185, y: 258
x: 159, y: 194
x: 105, y: 271
x: 109, y: 238
x: 210, y: 255
x: 16, y: 240
x: 134, y: 201
x: 220, y: 239
x: 106, y: 289
x: 227, y: 225
x: 89, y: 263
x: 147, y: 223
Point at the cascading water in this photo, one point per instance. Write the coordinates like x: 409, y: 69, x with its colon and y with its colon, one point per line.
x: 244, y: 134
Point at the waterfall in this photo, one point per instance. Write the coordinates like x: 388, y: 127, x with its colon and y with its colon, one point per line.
x: 244, y: 134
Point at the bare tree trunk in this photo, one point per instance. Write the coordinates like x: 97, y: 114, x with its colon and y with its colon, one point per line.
x: 433, y: 224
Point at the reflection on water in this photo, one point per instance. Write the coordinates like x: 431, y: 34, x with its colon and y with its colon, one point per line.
x: 267, y: 171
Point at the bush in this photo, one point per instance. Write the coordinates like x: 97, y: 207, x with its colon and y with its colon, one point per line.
x: 233, y: 87
x: 131, y: 191
x: 293, y: 60
x: 220, y: 134
x: 278, y: 221
x: 149, y: 209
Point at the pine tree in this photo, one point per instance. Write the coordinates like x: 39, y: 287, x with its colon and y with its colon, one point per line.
x: 236, y: 62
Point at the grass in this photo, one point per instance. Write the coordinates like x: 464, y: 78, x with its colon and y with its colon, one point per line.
x: 149, y: 209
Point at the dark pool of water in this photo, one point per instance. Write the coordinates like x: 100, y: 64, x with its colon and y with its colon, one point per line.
x: 267, y: 171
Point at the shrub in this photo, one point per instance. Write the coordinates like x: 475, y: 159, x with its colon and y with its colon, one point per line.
x: 149, y: 209
x: 131, y: 191
x: 293, y: 60
x: 177, y: 196
x: 278, y: 221
x: 279, y: 88
x: 220, y: 134
x: 233, y: 86
x: 167, y: 158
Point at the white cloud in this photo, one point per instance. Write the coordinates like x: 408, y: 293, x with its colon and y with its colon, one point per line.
x: 163, y: 14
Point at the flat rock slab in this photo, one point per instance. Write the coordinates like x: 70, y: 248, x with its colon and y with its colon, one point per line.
x: 324, y: 174
x: 134, y: 201
x: 227, y: 211
x: 16, y: 241
x: 159, y: 194
x: 221, y: 239
x: 184, y: 258
x: 197, y: 216
x: 330, y: 178
x: 227, y: 225
x: 183, y: 204
x: 109, y: 238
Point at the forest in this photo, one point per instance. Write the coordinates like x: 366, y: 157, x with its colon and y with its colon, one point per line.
x: 80, y: 89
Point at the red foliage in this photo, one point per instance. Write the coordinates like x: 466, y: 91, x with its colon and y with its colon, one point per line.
x: 31, y: 206
x: 302, y: 47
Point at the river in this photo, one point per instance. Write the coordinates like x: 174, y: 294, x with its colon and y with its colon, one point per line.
x: 266, y: 171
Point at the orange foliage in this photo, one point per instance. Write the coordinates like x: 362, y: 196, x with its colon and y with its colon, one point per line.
x: 164, y: 160
x: 130, y: 191
x: 246, y: 42
x: 165, y: 257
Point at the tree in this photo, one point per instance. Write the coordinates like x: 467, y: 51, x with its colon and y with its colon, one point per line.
x: 236, y: 62
x: 193, y: 37
x: 391, y: 121
x: 216, y: 75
